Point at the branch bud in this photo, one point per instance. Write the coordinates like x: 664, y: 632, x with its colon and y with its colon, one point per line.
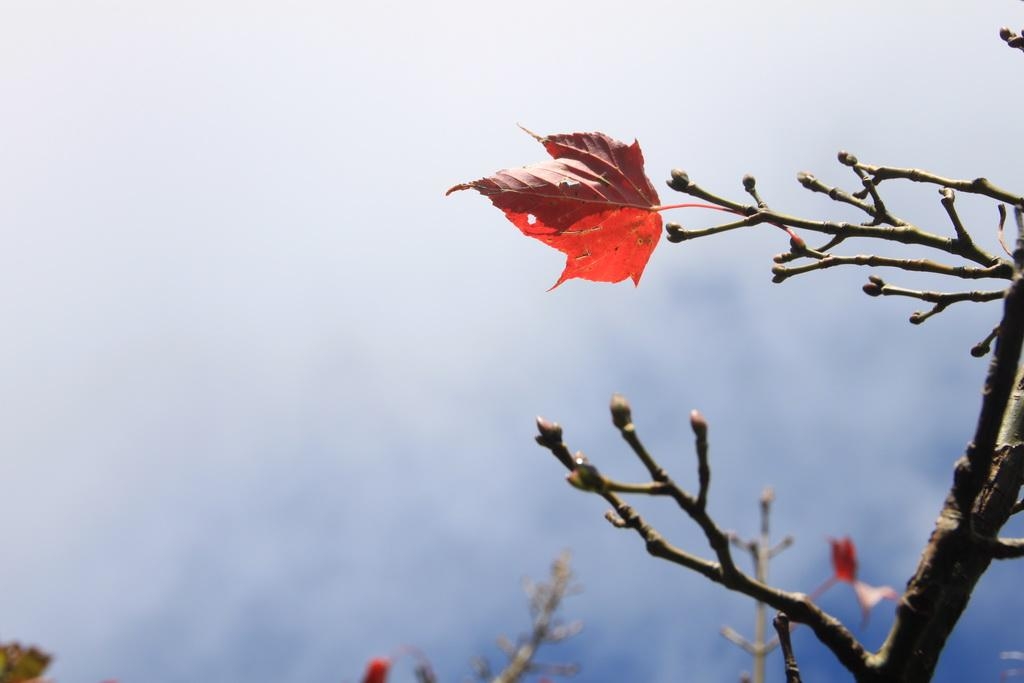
x: 749, y: 182
x: 680, y: 180
x: 698, y: 424
x: 585, y: 477
x: 622, y: 415
x: 806, y: 179
x: 614, y: 519
x: 675, y: 232
x: 1005, y: 33
x: 872, y: 289
x: 550, y: 432
x: 846, y: 159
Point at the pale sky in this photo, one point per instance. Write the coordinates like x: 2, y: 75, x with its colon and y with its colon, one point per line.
x: 270, y: 396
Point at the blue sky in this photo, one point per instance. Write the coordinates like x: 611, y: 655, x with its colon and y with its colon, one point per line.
x: 270, y: 395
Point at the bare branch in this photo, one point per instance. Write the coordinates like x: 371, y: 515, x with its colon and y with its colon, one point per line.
x: 1004, y: 548
x: 782, y: 545
x: 980, y: 186
x: 963, y: 237
x: 985, y: 345
x: 781, y: 623
x: 999, y: 270
x: 810, y: 182
x: 622, y: 418
x: 585, y: 476
x: 736, y: 639
x: 545, y: 599
x: 876, y: 286
x: 700, y: 431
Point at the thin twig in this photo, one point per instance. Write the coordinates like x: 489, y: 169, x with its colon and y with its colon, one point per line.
x: 811, y: 182
x: 545, y: 599
x: 622, y: 418
x: 829, y: 630
x: 781, y: 623
x: 700, y: 431
x: 963, y: 237
x: 981, y: 186
x: 1003, y: 548
x: 1001, y: 269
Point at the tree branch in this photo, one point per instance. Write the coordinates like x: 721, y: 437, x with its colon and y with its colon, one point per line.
x: 585, y: 476
x: 781, y: 623
x: 545, y: 599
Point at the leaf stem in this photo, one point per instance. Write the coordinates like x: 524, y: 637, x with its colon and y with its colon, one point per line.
x: 694, y: 205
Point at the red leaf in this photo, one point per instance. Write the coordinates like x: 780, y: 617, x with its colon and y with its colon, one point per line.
x: 377, y: 670
x: 844, y: 559
x: 844, y: 567
x: 592, y: 202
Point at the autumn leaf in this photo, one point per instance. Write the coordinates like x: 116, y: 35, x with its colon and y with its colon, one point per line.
x: 377, y: 670
x: 592, y: 202
x: 20, y: 664
x: 844, y: 570
x: 844, y: 559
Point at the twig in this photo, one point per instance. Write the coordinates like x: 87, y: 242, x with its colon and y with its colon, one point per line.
x: 700, y: 431
x: 810, y: 182
x: 622, y: 418
x: 980, y: 186
x: 963, y: 237
x: 902, y: 232
x: 781, y: 623
x: 985, y: 345
x: 882, y: 225
x: 760, y: 552
x: 827, y: 628
x: 999, y: 270
x: 1004, y: 548
x: 876, y: 286
x: 545, y: 599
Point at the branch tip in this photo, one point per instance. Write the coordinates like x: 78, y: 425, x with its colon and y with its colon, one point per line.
x: 615, y: 519
x: 985, y: 345
x: 846, y: 159
x: 679, y: 180
x: 550, y: 432
x: 872, y: 289
x: 698, y: 424
x: 622, y: 415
